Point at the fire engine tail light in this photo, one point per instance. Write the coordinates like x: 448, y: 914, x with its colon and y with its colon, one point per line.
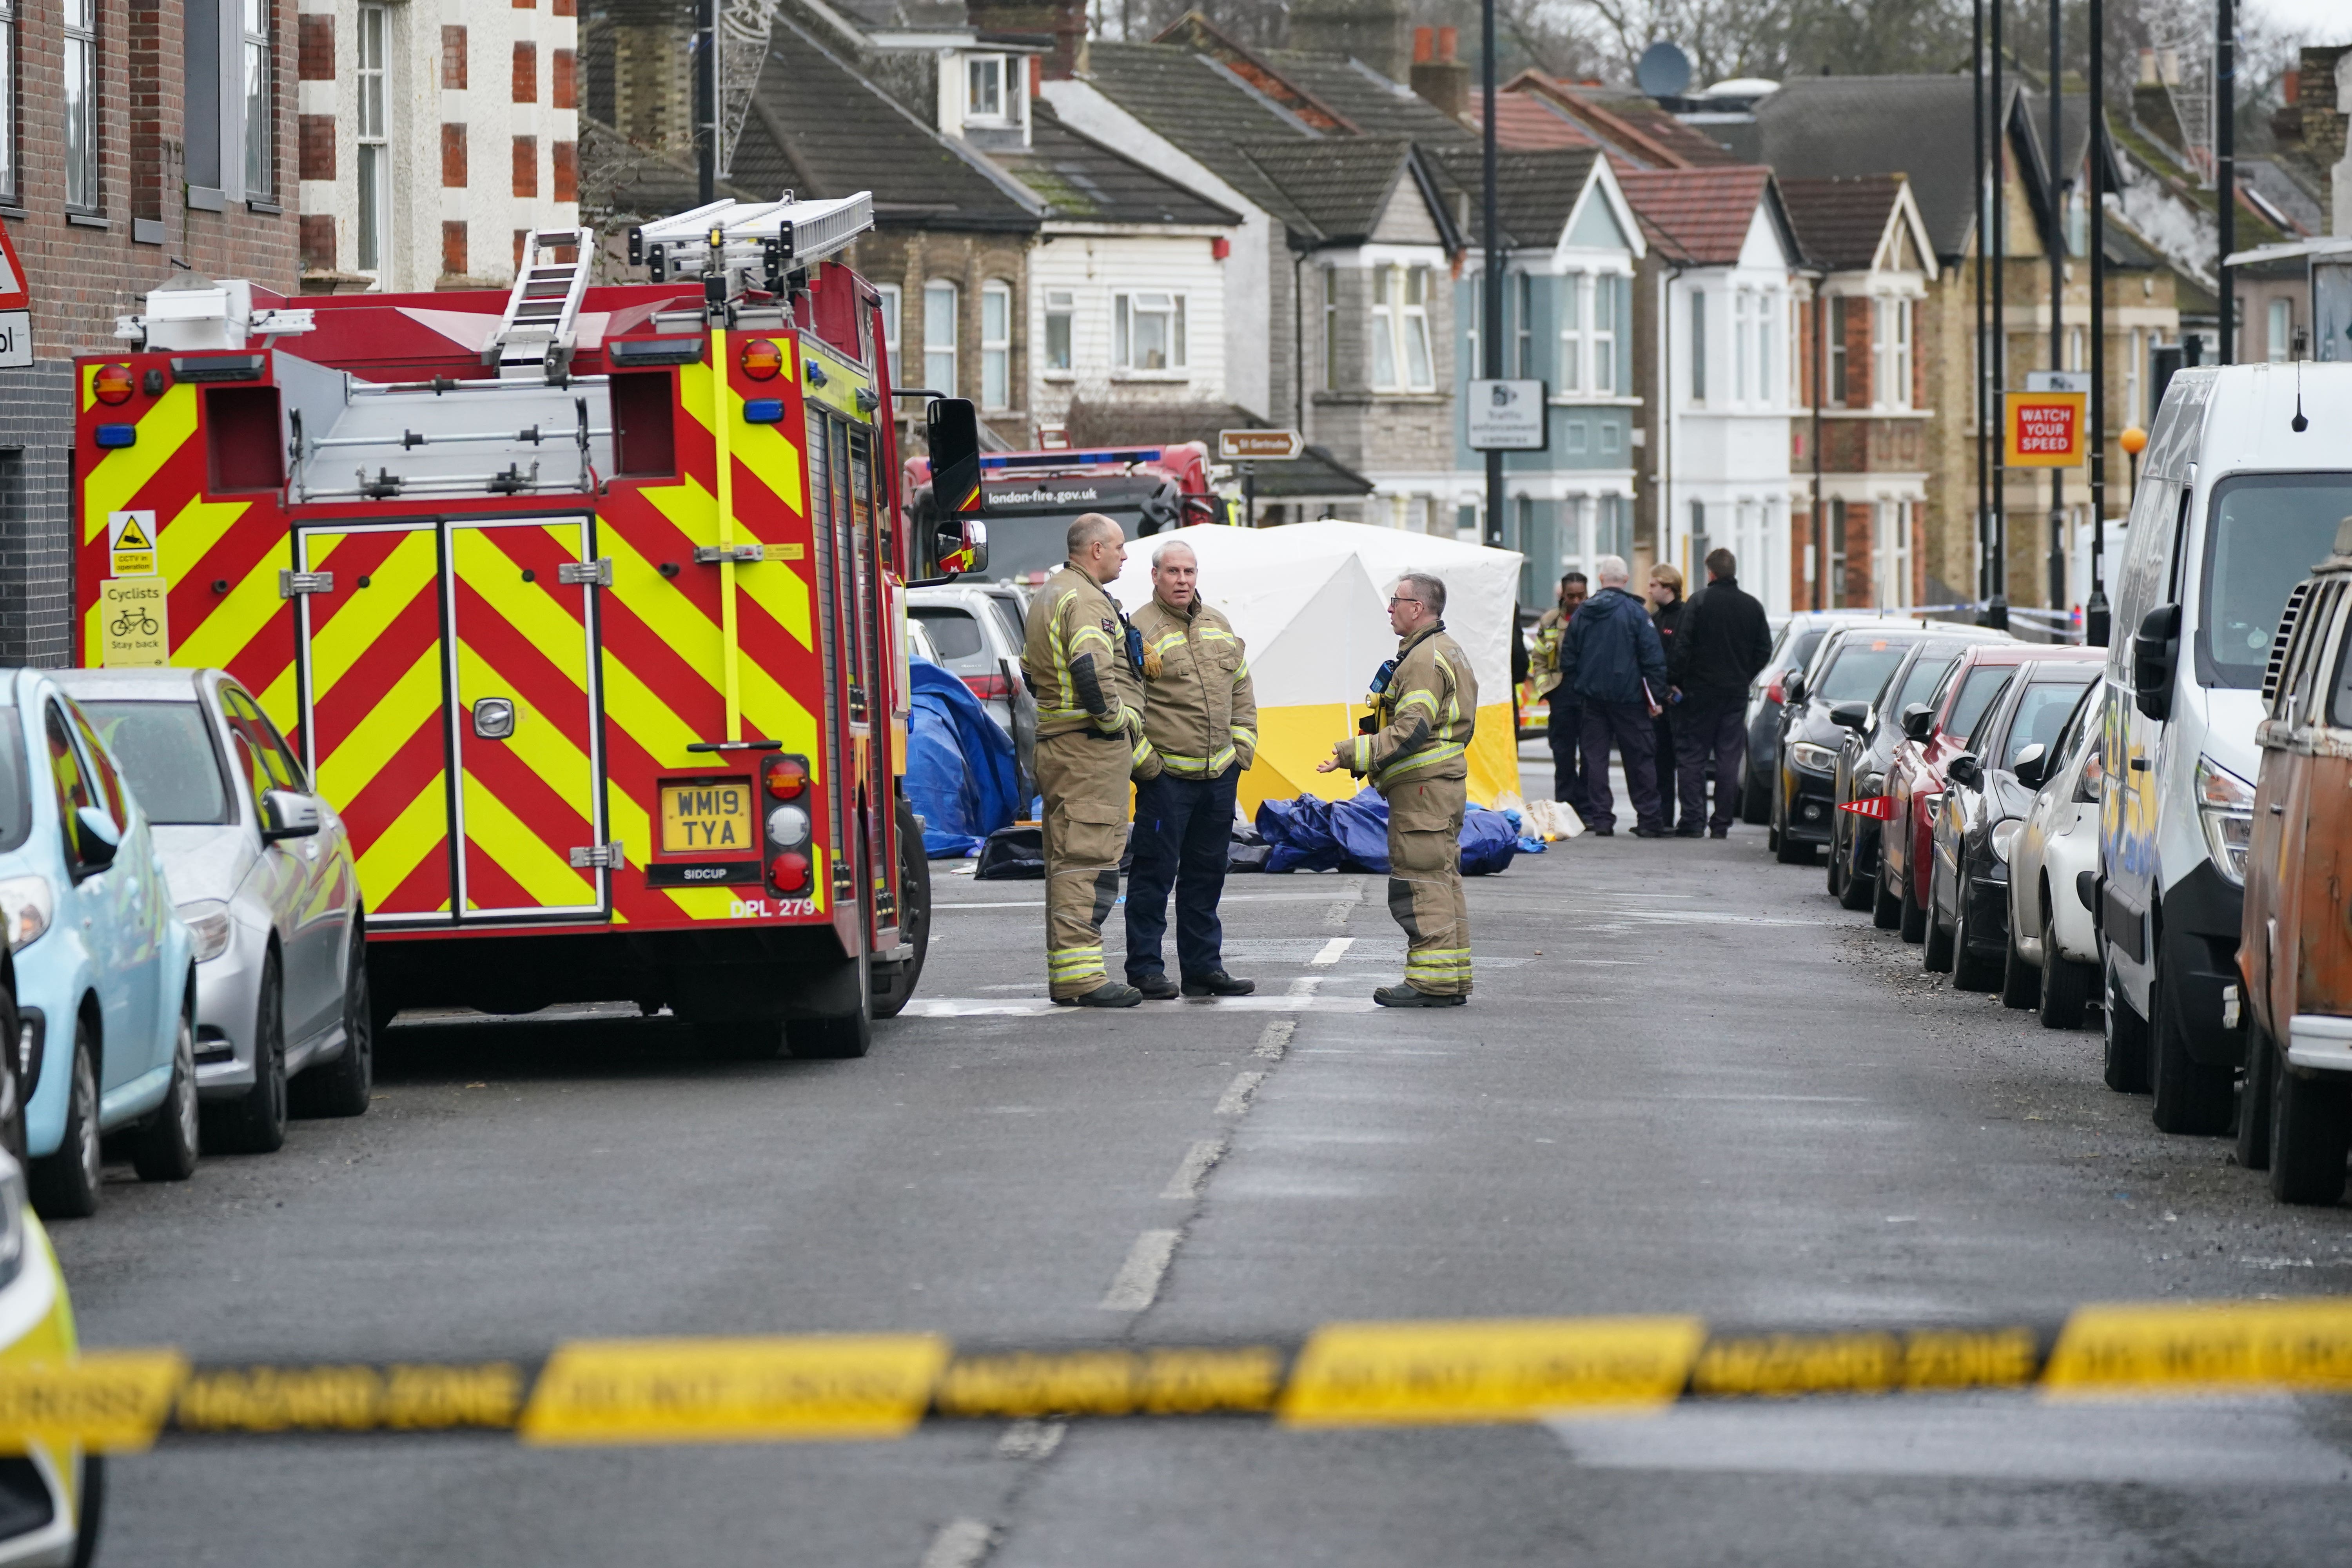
x: 788, y: 827
x: 786, y: 778
x: 788, y: 874
x: 111, y: 385
x: 760, y: 359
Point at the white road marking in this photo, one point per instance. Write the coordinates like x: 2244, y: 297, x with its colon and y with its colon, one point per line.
x: 1700, y: 917
x: 1198, y: 1160
x: 1298, y: 1001
x: 1137, y: 1283
x: 1235, y: 1101
x: 1304, y: 984
x: 1031, y: 1440
x: 1040, y: 903
x: 1332, y: 950
x: 2206, y: 1442
x: 961, y: 1543
x: 1276, y: 1039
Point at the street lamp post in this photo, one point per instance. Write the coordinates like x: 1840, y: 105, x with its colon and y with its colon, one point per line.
x: 2095, y: 608
x: 1490, y: 346
x: 2057, y: 247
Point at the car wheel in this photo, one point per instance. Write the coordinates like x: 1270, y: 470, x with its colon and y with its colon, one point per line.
x: 2255, y: 1091
x: 895, y: 984
x: 1937, y: 957
x: 1755, y: 800
x: 1785, y: 848
x: 255, y: 1122
x: 65, y: 1184
x: 1914, y: 919
x: 164, y: 1148
x: 344, y: 1086
x: 2065, y: 988
x: 90, y: 1514
x: 2124, y: 1040
x: 2021, y: 983
x: 1972, y: 970
x: 838, y: 1038
x: 1833, y: 862
x: 2308, y: 1117
x: 1885, y: 904
x: 2192, y: 1097
x: 1860, y: 892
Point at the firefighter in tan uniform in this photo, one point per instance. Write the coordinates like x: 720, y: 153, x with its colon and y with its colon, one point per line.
x: 1089, y: 744
x: 1201, y: 716
x: 1424, y: 706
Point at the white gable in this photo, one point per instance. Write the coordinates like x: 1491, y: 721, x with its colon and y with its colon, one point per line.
x: 1764, y: 247
x: 1406, y: 219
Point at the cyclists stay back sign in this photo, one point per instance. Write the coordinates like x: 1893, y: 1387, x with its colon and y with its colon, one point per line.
x: 132, y: 629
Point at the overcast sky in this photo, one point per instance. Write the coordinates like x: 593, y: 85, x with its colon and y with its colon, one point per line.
x: 2311, y: 21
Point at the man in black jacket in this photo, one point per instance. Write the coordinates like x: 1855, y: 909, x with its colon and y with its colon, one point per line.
x: 1723, y: 642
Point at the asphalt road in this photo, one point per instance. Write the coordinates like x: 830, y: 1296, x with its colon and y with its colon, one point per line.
x: 1686, y: 1082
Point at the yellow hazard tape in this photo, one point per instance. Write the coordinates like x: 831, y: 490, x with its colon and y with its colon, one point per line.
x: 853, y: 1388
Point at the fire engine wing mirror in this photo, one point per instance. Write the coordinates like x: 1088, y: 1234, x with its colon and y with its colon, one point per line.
x: 963, y: 547
x: 285, y: 814
x: 953, y: 428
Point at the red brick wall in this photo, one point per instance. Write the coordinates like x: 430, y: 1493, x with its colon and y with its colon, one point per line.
x: 526, y: 166
x: 563, y: 80
x: 453, y: 56
x: 82, y: 274
x: 452, y: 156
x: 453, y: 247
x: 526, y: 73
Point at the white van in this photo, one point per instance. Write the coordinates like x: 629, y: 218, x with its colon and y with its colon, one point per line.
x: 2248, y: 471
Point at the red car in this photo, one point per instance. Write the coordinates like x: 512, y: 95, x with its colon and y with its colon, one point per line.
x: 1934, y: 734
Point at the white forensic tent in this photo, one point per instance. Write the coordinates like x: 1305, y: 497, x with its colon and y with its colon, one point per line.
x: 1309, y: 600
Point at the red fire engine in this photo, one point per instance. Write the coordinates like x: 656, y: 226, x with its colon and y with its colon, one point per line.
x: 1034, y: 497
x: 580, y: 604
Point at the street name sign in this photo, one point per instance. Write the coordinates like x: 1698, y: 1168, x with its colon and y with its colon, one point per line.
x: 1260, y: 446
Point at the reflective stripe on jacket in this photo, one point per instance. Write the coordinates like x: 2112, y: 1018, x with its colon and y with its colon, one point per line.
x: 1425, y: 718
x: 1199, y: 712
x: 1072, y: 617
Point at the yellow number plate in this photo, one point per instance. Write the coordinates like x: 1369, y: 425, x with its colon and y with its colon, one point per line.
x: 708, y: 820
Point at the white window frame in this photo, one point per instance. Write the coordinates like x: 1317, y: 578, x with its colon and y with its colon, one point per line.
x: 1882, y: 351
x: 1061, y: 348
x: 256, y: 67
x: 942, y: 305
x: 11, y: 175
x: 997, y: 71
x: 1572, y: 334
x: 1890, y: 554
x: 1523, y: 330
x: 995, y: 345
x: 78, y: 62
x: 371, y: 87
x: 1129, y: 308
x: 1741, y: 355
x: 1330, y: 377
x: 1603, y: 335
x: 2278, y: 330
x: 1475, y: 362
x: 1899, y: 313
x: 1698, y: 347
x: 892, y: 308
x: 2133, y: 413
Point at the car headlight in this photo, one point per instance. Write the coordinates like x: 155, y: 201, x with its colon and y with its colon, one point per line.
x: 30, y: 904
x: 1819, y: 759
x: 2225, y: 805
x: 788, y: 825
x: 2004, y: 837
x: 14, y: 1199
x: 208, y: 923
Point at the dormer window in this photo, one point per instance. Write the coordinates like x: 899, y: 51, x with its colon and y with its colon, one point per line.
x: 989, y: 82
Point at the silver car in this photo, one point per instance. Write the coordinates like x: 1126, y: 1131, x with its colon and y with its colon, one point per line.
x: 262, y: 871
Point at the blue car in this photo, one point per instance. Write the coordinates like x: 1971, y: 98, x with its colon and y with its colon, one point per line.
x: 104, y: 968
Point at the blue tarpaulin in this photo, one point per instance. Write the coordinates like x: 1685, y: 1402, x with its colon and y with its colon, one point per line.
x: 1311, y: 834
x: 960, y: 774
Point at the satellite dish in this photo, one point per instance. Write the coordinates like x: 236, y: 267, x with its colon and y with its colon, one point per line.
x: 1663, y: 71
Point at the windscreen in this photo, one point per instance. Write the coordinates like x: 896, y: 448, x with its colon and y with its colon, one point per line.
x: 954, y: 634
x: 16, y: 806
x: 2042, y: 713
x: 1801, y: 651
x: 166, y: 751
x: 1976, y: 696
x: 1859, y: 671
x: 2264, y: 534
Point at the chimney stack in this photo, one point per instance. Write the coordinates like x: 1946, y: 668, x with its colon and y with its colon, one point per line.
x: 1374, y: 31
x: 1437, y: 76
x: 1064, y: 20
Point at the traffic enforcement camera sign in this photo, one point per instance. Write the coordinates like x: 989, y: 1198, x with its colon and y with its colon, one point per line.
x: 1506, y: 416
x: 2043, y: 431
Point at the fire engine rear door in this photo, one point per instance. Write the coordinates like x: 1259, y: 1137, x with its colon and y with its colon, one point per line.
x: 374, y: 672
x: 524, y: 734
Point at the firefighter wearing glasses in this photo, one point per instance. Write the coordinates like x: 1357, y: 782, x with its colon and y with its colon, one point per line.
x: 1424, y: 706
x: 1079, y: 661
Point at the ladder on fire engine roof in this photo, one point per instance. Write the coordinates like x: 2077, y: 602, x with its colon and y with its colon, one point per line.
x: 757, y: 243
x: 534, y: 337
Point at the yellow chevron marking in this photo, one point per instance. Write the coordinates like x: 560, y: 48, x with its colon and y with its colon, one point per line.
x: 530, y: 610
x: 546, y: 875
x: 420, y: 829
x: 243, y: 613
x: 539, y: 740
x: 121, y: 473
x: 412, y: 568
x: 706, y: 903
x: 371, y: 745
x: 773, y: 457
x: 784, y: 594
x: 628, y: 824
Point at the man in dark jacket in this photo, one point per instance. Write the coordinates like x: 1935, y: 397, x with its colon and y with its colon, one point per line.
x: 1667, y: 607
x: 1611, y: 659
x: 1723, y: 643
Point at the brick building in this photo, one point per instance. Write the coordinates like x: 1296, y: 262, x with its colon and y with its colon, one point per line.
x: 434, y: 135
x: 137, y: 134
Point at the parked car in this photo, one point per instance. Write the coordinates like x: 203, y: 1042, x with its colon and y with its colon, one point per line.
x: 2054, y: 872
x: 977, y: 632
x: 263, y: 873
x: 51, y: 1494
x: 1852, y: 665
x: 1873, y: 729
x: 2295, y: 954
x: 1932, y: 736
x: 2239, y: 493
x: 1793, y: 647
x: 1983, y: 811
x: 106, y: 986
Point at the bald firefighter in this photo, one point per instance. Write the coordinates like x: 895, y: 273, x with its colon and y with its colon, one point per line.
x: 1091, y: 743
x: 1424, y: 706
x: 1201, y: 715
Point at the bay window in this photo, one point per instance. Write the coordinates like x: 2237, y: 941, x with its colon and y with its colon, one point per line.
x: 1571, y: 332
x: 1604, y: 334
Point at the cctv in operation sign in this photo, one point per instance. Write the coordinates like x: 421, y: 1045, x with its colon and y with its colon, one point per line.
x: 2044, y: 430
